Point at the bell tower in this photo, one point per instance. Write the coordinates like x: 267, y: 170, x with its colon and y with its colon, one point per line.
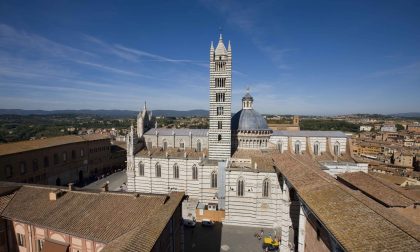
x: 220, y: 101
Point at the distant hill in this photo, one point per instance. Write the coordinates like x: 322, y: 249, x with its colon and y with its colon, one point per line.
x: 411, y: 114
x: 102, y: 112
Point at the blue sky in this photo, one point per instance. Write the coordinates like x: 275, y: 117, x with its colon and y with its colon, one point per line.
x: 297, y: 57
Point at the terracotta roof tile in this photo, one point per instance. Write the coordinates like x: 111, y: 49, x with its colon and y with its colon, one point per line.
x: 356, y: 223
x: 101, y: 217
x: 22, y: 146
x: 376, y: 189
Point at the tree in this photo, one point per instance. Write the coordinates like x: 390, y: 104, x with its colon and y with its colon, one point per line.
x: 399, y: 127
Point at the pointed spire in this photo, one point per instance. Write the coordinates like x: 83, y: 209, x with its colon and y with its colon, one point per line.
x: 229, y: 48
x: 144, y: 108
x: 211, y: 46
x: 221, y: 49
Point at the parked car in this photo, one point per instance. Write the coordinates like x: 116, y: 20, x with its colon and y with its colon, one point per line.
x: 189, y: 223
x: 207, y: 223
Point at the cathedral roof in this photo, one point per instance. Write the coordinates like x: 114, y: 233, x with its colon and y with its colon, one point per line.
x: 221, y: 49
x: 248, y: 119
x: 177, y: 132
x: 309, y: 133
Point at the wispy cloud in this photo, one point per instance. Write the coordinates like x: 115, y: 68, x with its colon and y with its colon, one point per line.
x: 407, y: 70
x: 12, y: 37
x: 111, y: 69
x: 132, y: 54
x: 154, y: 57
x: 62, y: 76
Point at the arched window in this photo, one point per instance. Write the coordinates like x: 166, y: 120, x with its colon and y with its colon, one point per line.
x: 297, y: 147
x: 181, y: 144
x: 157, y: 170
x: 316, y: 148
x: 240, y: 189
x: 266, y: 188
x: 280, y: 146
x: 219, y: 137
x: 337, y: 148
x: 198, y: 145
x: 141, y: 168
x: 194, y: 172
x: 165, y: 145
x: 214, y: 179
x: 176, y: 171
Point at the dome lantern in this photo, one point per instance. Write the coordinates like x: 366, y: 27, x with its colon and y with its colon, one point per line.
x: 247, y: 100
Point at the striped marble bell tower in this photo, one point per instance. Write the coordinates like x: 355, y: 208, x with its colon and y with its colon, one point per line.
x: 220, y: 101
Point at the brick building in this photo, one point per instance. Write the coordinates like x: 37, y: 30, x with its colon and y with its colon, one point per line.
x: 55, y: 219
x: 58, y: 160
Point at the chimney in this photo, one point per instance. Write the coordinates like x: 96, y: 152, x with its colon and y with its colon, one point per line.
x: 105, y: 187
x: 71, y: 187
x: 55, y: 195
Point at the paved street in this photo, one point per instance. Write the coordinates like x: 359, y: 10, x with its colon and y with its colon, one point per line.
x: 222, y: 238
x: 115, y: 181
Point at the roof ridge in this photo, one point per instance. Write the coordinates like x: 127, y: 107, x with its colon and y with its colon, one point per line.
x: 390, y: 187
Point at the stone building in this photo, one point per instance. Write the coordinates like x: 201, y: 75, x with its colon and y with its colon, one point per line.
x: 58, y: 160
x: 57, y: 219
x: 249, y: 174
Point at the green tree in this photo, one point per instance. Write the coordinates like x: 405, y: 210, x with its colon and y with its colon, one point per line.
x: 399, y: 127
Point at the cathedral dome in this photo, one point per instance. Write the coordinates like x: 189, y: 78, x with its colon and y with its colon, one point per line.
x: 248, y: 119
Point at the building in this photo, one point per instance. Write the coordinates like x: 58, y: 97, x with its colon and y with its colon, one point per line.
x: 365, y: 128
x: 402, y: 158
x: 414, y: 128
x: 54, y: 219
x: 58, y: 160
x: 402, y: 200
x: 389, y: 128
x: 294, y: 126
x: 242, y: 172
x: 367, y: 149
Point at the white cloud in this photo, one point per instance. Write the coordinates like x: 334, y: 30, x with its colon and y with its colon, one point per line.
x: 10, y: 37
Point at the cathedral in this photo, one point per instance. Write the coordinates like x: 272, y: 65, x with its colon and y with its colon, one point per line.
x: 230, y: 171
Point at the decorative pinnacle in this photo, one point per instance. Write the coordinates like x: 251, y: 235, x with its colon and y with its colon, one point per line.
x: 211, y: 46
x: 229, y: 46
